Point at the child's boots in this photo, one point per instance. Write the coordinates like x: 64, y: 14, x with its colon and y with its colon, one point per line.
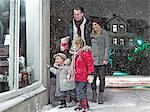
x: 63, y: 104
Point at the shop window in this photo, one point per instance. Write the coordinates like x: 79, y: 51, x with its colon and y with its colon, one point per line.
x: 19, y: 44
x: 4, y: 44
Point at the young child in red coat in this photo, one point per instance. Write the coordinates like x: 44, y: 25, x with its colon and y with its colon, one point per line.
x: 83, y: 68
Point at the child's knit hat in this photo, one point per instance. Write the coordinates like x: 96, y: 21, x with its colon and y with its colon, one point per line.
x: 61, y: 55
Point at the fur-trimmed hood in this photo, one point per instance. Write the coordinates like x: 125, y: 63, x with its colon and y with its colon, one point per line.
x: 86, y: 48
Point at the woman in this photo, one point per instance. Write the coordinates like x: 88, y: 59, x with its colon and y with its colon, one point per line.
x: 100, y: 44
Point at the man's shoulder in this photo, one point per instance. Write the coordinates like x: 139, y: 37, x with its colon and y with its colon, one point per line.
x: 88, y: 21
x: 88, y: 24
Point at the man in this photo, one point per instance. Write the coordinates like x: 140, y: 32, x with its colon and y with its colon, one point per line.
x: 79, y: 26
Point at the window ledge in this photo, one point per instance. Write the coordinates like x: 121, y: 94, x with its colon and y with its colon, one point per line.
x: 18, y: 99
x: 14, y: 93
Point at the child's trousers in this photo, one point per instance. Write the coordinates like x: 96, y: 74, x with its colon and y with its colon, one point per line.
x: 81, y: 90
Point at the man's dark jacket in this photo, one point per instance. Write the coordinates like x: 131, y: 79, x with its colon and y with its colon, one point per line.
x: 87, y: 32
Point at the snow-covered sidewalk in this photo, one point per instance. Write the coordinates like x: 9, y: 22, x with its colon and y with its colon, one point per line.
x: 116, y: 100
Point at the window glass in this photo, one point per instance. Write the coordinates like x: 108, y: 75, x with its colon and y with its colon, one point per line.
x: 29, y: 43
x: 4, y: 44
x: 24, y: 76
x: 122, y: 28
x: 21, y: 69
x: 131, y: 42
x: 115, y: 41
x: 115, y: 28
x: 122, y: 42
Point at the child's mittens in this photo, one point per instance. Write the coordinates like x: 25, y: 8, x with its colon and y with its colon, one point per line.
x: 90, y: 78
x: 55, y: 65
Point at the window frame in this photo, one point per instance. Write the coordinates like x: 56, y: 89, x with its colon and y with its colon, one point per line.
x: 14, y: 54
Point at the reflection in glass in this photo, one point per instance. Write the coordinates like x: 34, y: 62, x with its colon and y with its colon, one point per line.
x: 23, y: 73
x: 4, y: 44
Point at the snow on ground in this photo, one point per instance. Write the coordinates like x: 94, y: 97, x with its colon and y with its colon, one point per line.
x: 94, y: 107
x: 115, y: 100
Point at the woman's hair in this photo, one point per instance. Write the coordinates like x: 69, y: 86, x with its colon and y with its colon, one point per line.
x: 98, y: 21
x: 95, y: 34
x: 79, y: 41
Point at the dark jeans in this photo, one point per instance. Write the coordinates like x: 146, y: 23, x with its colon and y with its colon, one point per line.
x: 99, y: 71
x: 81, y: 90
x: 72, y: 94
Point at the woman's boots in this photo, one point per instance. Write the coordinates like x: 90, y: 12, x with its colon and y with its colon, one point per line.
x: 100, y: 98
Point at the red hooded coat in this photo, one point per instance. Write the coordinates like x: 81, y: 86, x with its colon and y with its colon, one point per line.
x: 84, y: 64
